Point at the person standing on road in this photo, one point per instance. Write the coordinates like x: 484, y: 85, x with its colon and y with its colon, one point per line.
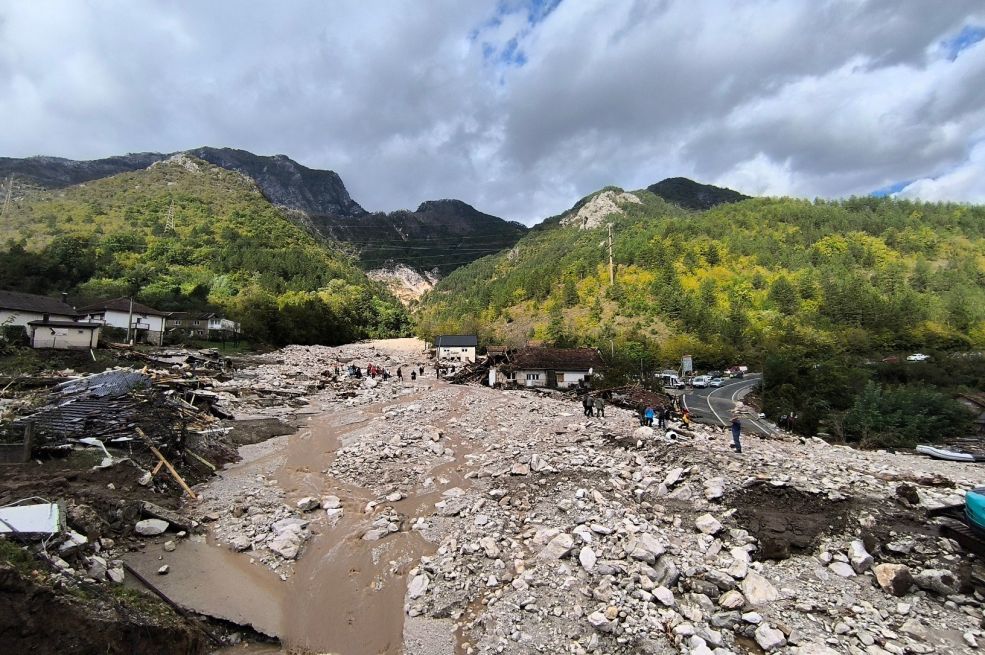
x: 599, y: 407
x: 736, y: 428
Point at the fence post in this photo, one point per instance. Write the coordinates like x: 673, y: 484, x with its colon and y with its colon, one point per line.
x: 28, y: 442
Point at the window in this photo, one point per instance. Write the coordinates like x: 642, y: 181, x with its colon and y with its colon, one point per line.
x: 177, y: 322
x: 533, y: 376
x: 465, y: 350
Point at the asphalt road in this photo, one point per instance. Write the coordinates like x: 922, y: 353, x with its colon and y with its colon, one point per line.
x: 713, y: 405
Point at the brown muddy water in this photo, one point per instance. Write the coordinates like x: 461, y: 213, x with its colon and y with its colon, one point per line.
x: 346, y: 594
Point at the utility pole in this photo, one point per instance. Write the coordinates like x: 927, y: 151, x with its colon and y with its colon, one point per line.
x: 6, y: 200
x: 612, y: 267
x: 130, y: 320
x: 169, y: 221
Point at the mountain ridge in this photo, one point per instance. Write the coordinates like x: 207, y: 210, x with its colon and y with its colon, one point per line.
x: 316, y: 199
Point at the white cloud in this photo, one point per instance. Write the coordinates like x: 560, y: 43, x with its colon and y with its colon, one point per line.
x: 964, y: 183
x: 518, y: 115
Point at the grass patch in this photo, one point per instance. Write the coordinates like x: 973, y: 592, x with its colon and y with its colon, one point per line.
x: 20, y: 559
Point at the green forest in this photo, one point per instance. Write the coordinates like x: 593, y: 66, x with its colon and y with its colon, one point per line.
x: 815, y: 293
x: 229, y: 250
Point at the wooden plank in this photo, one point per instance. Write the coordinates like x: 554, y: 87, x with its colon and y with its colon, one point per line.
x: 201, y: 459
x: 167, y: 465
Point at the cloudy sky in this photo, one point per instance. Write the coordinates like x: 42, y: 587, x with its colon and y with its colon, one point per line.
x: 517, y: 107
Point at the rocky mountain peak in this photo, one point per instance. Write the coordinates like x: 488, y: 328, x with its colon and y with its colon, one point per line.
x: 286, y: 183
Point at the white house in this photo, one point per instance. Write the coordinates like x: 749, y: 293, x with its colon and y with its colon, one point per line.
x: 456, y: 347
x: 64, y: 335
x: 21, y: 308
x: 147, y: 325
x: 557, y: 368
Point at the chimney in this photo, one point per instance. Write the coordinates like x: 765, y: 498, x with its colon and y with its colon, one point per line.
x: 45, y: 317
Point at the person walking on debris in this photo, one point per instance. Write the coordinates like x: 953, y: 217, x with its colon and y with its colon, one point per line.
x: 648, y: 415
x: 400, y: 374
x: 641, y: 413
x: 586, y: 403
x: 421, y: 370
x: 736, y: 428
x: 599, y: 407
x: 413, y: 375
x: 664, y: 416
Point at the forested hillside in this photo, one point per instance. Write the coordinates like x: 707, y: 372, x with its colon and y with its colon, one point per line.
x: 809, y: 282
x: 229, y: 248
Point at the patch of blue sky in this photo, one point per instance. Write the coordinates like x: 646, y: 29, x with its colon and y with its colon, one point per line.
x: 967, y: 37
x: 890, y: 189
x: 538, y: 10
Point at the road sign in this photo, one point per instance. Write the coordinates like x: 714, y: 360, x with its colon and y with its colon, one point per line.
x: 687, y: 364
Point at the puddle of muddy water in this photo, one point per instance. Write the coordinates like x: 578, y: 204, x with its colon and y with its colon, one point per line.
x: 216, y: 582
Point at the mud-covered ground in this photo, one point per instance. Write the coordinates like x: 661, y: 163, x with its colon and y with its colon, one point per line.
x: 416, y: 516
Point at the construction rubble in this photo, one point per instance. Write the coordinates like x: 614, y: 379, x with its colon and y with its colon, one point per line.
x: 508, y: 522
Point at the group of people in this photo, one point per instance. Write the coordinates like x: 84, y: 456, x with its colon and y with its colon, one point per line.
x: 414, y: 372
x: 661, y: 414
x: 593, y: 406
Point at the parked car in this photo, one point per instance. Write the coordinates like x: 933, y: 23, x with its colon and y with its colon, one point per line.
x: 716, y: 382
x: 714, y: 374
x: 917, y: 357
x: 700, y: 382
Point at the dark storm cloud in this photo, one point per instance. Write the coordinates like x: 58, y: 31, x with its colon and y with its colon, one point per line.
x: 517, y: 107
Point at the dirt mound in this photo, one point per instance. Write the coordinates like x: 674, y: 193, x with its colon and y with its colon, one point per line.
x: 787, y: 520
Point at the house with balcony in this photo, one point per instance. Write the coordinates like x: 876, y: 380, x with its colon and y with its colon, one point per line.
x: 200, y: 325
x: 146, y: 324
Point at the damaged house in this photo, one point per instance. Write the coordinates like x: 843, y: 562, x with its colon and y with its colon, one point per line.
x: 555, y: 368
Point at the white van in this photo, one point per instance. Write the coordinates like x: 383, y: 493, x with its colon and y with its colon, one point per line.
x: 701, y: 382
x: 671, y: 381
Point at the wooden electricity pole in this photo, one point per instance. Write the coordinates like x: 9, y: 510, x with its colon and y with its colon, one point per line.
x: 612, y: 267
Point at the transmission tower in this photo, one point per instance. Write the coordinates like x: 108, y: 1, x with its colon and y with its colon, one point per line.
x: 169, y: 221
x: 6, y: 200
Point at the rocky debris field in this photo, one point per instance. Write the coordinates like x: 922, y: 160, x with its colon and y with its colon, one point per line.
x: 551, y: 532
x: 536, y: 529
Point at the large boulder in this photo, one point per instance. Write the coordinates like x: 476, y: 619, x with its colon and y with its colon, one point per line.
x: 894, y: 579
x: 557, y: 547
x: 859, y: 556
x: 769, y: 638
x: 151, y: 527
x: 937, y: 581
x: 758, y: 590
